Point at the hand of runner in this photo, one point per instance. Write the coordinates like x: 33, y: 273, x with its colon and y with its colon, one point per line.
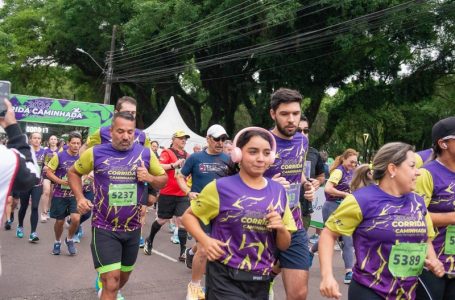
x: 274, y: 220
x: 192, y: 195
x: 84, y: 206
x: 212, y: 247
x: 281, y: 180
x: 309, y: 191
x: 64, y: 182
x: 142, y: 173
x: 316, y: 184
x: 10, y: 117
x: 179, y: 163
x: 329, y: 288
x: 435, y: 266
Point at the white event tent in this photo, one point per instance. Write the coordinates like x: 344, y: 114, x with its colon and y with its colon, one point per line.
x: 168, y: 123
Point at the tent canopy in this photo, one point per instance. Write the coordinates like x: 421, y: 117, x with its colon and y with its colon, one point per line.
x: 168, y: 123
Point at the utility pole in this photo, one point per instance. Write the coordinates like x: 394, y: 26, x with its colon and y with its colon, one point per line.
x: 107, y: 92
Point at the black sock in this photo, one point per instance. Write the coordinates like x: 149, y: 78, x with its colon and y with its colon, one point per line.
x: 155, y: 228
x: 182, y: 234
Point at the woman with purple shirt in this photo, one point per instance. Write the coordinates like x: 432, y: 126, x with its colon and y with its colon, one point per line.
x: 336, y: 189
x: 391, y: 230
x: 250, y: 219
x: 437, y: 185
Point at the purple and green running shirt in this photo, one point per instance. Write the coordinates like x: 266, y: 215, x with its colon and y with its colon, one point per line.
x: 341, y: 179
x: 118, y: 193
x: 237, y: 215
x: 290, y: 162
x: 390, y: 237
x: 60, y: 164
x: 40, y: 156
x: 436, y: 184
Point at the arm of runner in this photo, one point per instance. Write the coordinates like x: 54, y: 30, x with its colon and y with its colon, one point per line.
x: 82, y: 166
x: 50, y: 173
x: 283, y: 236
x: 182, y: 184
x: 157, y: 173
x: 328, y: 287
x: 432, y: 262
x: 281, y: 180
x: 332, y: 182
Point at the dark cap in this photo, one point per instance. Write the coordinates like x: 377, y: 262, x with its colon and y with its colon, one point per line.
x: 443, y: 128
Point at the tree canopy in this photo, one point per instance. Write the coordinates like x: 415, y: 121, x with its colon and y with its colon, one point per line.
x: 392, y: 61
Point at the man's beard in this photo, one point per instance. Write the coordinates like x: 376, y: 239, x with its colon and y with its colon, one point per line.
x: 284, y: 132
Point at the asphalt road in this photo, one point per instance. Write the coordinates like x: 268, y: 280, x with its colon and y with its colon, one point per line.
x: 29, y: 271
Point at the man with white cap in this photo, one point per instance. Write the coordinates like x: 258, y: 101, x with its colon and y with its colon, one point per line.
x: 172, y: 201
x: 204, y: 167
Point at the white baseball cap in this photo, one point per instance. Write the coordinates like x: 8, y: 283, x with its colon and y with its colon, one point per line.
x: 216, y: 131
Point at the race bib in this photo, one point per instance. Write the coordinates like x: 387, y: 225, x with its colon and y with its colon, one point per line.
x: 407, y: 259
x: 65, y: 187
x: 450, y: 240
x: 293, y: 194
x: 122, y: 194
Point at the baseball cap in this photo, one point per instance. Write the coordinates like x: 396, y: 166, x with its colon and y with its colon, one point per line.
x: 179, y: 134
x: 216, y: 131
x: 443, y: 128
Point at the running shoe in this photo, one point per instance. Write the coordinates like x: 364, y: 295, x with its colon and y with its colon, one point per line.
x: 148, y: 247
x: 141, y: 242
x: 80, y: 232
x: 98, y: 283
x: 20, y: 232
x: 76, y: 239
x: 171, y: 227
x: 190, y: 237
x: 182, y: 257
x: 337, y: 247
x: 188, y: 258
x: 195, y: 292
x: 43, y: 217
x: 314, y: 238
x: 56, y: 250
x: 71, y: 247
x: 33, y: 237
x: 348, y: 277
x: 175, y: 239
x: 8, y: 224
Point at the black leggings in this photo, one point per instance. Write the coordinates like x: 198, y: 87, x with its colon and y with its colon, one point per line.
x: 439, y: 288
x: 35, y: 193
x: 360, y: 292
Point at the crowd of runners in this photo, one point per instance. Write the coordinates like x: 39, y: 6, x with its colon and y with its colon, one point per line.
x: 246, y: 201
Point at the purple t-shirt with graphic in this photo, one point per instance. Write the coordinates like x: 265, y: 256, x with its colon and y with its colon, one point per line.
x: 343, y: 184
x: 290, y: 162
x: 65, y: 161
x: 112, y: 169
x: 242, y: 225
x: 442, y: 201
x: 387, y: 220
x: 40, y: 161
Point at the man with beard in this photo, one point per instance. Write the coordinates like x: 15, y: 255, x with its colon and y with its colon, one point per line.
x: 121, y: 169
x: 289, y: 163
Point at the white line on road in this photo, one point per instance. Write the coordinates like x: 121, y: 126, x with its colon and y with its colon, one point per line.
x: 164, y: 255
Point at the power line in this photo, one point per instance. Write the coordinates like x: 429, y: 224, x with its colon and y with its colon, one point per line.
x: 167, y: 38
x: 274, y: 45
x: 189, y: 49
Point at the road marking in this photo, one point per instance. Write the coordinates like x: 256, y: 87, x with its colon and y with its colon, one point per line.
x: 164, y: 255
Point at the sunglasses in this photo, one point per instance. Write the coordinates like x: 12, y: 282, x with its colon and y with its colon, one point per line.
x: 220, y: 138
x: 304, y: 130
